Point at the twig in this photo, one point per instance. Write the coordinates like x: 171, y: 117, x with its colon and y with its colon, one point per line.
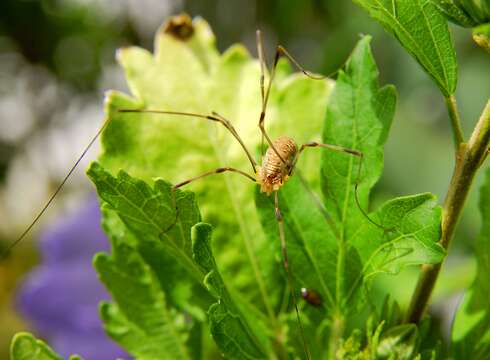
x: 469, y: 158
x: 455, y: 121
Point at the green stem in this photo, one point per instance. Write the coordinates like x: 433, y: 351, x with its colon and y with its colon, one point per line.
x: 455, y: 121
x: 469, y: 157
x: 336, y: 333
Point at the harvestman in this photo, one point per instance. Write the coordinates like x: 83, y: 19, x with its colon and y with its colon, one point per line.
x: 279, y: 160
x: 277, y: 166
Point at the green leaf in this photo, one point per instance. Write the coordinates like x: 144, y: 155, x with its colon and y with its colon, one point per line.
x: 26, y: 347
x: 142, y: 322
x: 229, y: 328
x: 423, y: 31
x: 415, y: 221
x: 149, y: 212
x: 471, y: 327
x: 192, y: 76
x: 359, y: 117
x: 479, y: 10
x: 455, y: 13
x: 333, y: 248
x: 467, y: 13
x: 151, y: 273
x: 176, y: 273
x: 390, y: 312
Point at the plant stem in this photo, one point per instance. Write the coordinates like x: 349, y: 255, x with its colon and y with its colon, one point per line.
x: 336, y: 333
x: 455, y: 121
x: 469, y: 157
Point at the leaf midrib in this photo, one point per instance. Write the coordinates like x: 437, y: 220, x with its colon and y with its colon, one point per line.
x: 193, y: 269
x: 341, y: 251
x: 167, y: 322
x: 218, y: 151
x: 312, y: 259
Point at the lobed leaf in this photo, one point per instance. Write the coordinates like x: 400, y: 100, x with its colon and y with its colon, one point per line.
x: 145, y: 327
x: 192, y: 76
x: 26, y: 347
x: 151, y: 273
x: 156, y: 215
x: 229, y: 328
x: 423, y: 31
x: 144, y: 321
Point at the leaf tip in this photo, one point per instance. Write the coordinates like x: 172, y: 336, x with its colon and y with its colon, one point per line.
x: 100, y: 260
x: 93, y: 169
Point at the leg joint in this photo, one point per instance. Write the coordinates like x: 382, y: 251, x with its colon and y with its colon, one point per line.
x: 278, y: 215
x: 261, y: 120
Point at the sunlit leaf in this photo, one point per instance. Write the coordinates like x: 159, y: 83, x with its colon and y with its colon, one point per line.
x: 27, y: 347
x: 192, y: 76
x: 234, y: 336
x: 423, y: 31
x: 143, y: 320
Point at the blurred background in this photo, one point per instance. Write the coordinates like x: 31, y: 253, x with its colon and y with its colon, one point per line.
x: 57, y: 60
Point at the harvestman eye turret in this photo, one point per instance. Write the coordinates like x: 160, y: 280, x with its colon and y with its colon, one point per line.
x: 277, y: 165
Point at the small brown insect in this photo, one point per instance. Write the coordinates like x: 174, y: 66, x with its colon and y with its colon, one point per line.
x: 311, y: 296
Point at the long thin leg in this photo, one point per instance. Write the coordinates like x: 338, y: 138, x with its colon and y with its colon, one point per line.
x: 214, y: 117
x: 212, y: 172
x: 57, y: 190
x: 262, y: 61
x: 280, y: 51
x: 284, y: 252
x: 344, y: 150
x: 284, y: 52
x: 263, y: 66
x: 326, y: 146
x: 186, y: 182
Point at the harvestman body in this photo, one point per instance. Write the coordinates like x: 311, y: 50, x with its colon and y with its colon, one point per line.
x: 277, y: 165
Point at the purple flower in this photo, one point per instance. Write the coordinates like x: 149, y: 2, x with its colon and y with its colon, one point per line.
x: 60, y: 297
